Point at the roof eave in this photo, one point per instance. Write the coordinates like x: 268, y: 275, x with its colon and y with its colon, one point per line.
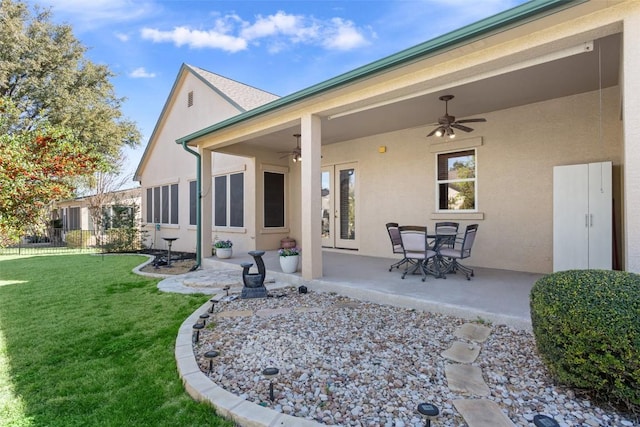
x: 518, y: 15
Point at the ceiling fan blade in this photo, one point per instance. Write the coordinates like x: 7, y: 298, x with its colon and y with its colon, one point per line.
x: 433, y: 132
x: 478, y: 120
x: 461, y: 127
x: 286, y: 155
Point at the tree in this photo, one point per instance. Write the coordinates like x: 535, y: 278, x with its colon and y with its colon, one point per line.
x: 60, y: 118
x: 44, y: 72
x: 36, y: 167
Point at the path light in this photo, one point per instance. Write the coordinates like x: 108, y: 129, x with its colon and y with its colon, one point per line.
x: 545, y: 421
x: 213, y: 305
x: 226, y: 288
x: 196, y: 331
x: 203, y: 318
x: 428, y: 411
x: 269, y: 373
x: 210, y: 355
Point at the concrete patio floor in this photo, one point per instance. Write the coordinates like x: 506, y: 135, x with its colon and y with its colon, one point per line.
x: 498, y: 296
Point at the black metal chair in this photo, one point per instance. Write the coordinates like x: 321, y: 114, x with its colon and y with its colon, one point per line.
x: 416, y: 250
x: 396, y: 243
x: 447, y: 232
x: 461, y: 250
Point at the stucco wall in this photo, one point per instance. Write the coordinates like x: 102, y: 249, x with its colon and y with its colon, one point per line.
x: 168, y: 163
x: 515, y: 163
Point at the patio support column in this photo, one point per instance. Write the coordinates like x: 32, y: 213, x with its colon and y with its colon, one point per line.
x: 206, y: 201
x: 310, y: 205
x: 631, y: 139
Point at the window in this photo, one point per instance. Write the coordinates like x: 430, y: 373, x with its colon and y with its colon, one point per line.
x: 193, y: 203
x: 228, y: 209
x: 74, y: 219
x: 162, y: 204
x: 456, y: 181
x: 273, y: 199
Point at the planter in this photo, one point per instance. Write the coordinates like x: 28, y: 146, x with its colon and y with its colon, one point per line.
x: 224, y: 253
x: 288, y: 243
x: 289, y: 264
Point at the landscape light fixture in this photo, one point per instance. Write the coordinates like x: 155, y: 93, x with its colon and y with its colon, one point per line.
x: 544, y: 421
x: 210, y: 355
x: 269, y: 373
x: 196, y: 331
x: 428, y: 412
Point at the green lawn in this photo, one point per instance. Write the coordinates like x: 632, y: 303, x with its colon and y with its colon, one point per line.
x: 85, y: 342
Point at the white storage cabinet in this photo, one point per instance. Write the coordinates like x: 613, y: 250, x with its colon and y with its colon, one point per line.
x: 582, y: 217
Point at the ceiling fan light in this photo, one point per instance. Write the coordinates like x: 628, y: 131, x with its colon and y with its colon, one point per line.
x: 438, y: 132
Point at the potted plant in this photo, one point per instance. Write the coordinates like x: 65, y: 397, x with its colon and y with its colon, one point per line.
x: 223, y: 248
x: 289, y: 258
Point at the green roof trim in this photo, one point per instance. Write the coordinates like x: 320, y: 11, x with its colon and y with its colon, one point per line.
x: 502, y: 21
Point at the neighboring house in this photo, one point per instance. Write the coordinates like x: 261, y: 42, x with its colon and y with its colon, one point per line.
x: 557, y: 81
x: 74, y: 214
x: 167, y: 173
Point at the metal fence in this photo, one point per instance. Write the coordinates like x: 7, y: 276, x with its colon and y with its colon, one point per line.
x: 58, y: 241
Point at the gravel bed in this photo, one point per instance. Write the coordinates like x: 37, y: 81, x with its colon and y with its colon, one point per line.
x: 352, y: 363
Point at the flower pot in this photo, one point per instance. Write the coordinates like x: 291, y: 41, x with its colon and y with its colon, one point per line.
x: 224, y: 253
x: 289, y: 264
x: 287, y: 243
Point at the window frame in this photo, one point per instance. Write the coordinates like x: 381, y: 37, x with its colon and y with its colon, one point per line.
x: 439, y: 182
x: 283, y: 174
x: 164, y: 206
x: 231, y: 201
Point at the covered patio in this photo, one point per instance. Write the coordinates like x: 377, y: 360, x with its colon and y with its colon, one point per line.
x: 497, y: 296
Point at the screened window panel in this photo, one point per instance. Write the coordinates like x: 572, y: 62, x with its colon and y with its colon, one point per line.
x: 220, y: 202
x: 165, y: 204
x: 156, y: 205
x: 74, y: 218
x: 149, y: 206
x: 273, y: 199
x: 174, y: 203
x: 236, y: 201
x: 193, y: 203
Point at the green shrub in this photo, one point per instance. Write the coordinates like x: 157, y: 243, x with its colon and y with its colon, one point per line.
x: 587, y: 329
x: 123, y: 240
x: 77, y: 239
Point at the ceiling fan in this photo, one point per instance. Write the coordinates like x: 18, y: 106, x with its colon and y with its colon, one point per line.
x: 446, y: 123
x: 296, y: 153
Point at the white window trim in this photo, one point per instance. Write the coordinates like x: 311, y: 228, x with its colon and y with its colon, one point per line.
x: 229, y: 228
x: 452, y: 147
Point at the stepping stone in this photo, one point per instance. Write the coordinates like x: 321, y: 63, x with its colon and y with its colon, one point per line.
x: 235, y: 313
x: 268, y: 312
x: 462, y: 352
x: 466, y: 379
x: 482, y: 413
x: 473, y: 332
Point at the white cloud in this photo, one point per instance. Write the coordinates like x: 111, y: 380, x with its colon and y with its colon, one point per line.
x: 343, y: 36
x: 278, y: 31
x: 181, y: 36
x: 122, y: 37
x: 141, y: 73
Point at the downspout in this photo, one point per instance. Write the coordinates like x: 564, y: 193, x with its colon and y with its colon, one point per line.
x: 198, y: 206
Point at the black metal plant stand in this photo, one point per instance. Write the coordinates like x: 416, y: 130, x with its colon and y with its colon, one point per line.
x: 170, y: 241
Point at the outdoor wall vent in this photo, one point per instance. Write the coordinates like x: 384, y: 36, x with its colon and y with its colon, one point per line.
x: 190, y: 99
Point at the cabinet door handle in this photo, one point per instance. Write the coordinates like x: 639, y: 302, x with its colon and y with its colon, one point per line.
x: 586, y: 220
x: 590, y: 220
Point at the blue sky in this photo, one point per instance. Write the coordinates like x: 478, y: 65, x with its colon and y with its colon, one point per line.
x: 277, y: 46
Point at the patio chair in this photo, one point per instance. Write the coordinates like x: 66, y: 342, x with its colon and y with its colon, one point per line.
x: 449, y: 230
x: 396, y: 243
x: 416, y: 250
x: 461, y: 250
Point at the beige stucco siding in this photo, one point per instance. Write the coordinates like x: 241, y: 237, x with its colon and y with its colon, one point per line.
x: 520, y: 147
